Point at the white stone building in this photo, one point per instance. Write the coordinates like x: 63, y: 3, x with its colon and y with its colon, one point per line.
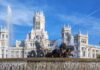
x: 22, y: 49
x: 7, y: 51
x: 3, y: 42
x: 82, y: 49
x: 39, y: 35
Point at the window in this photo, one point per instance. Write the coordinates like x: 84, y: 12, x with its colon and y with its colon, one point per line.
x: 31, y: 44
x: 17, y: 52
x: 37, y: 25
x: 66, y: 34
x: 83, y: 48
x: 83, y: 41
x: 88, y: 52
x: 12, y: 52
x: 37, y: 37
x: 93, y: 55
x: 97, y: 51
x: 6, y: 55
x: 6, y: 36
x: 2, y: 35
x: 75, y: 41
x: 83, y: 53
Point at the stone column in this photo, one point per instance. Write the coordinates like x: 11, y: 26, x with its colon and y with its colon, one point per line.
x: 91, y: 53
x: 80, y: 52
x: 95, y: 53
x: 87, y: 52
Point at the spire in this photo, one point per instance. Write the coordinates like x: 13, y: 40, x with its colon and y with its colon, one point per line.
x: 68, y: 26
x: 79, y: 31
x: 39, y: 20
x: 87, y: 34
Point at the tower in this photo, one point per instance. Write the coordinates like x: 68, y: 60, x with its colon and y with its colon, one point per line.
x: 81, y: 43
x: 3, y: 42
x: 39, y: 20
x: 83, y: 38
x: 3, y: 37
x: 66, y: 34
x: 38, y: 33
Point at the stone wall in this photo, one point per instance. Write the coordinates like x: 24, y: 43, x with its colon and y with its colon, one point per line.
x: 49, y: 64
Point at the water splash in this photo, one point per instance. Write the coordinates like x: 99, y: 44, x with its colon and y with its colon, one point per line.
x: 9, y: 25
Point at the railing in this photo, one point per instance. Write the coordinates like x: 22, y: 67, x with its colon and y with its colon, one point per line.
x: 52, y: 59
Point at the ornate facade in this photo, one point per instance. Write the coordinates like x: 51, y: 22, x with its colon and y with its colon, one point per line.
x: 3, y: 42
x: 23, y: 48
x: 82, y: 49
x: 37, y: 42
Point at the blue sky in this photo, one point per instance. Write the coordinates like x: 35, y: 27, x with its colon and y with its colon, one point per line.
x: 80, y: 14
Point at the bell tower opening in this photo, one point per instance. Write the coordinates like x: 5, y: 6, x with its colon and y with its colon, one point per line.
x: 66, y: 34
x: 39, y: 20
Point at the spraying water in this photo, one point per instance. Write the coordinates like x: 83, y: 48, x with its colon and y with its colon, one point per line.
x: 9, y: 26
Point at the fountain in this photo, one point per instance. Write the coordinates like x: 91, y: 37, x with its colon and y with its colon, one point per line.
x: 45, y: 63
x: 9, y: 25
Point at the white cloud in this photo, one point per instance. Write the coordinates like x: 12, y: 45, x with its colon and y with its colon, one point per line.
x: 22, y: 16
x: 19, y: 16
x: 91, y: 23
x: 21, y: 13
